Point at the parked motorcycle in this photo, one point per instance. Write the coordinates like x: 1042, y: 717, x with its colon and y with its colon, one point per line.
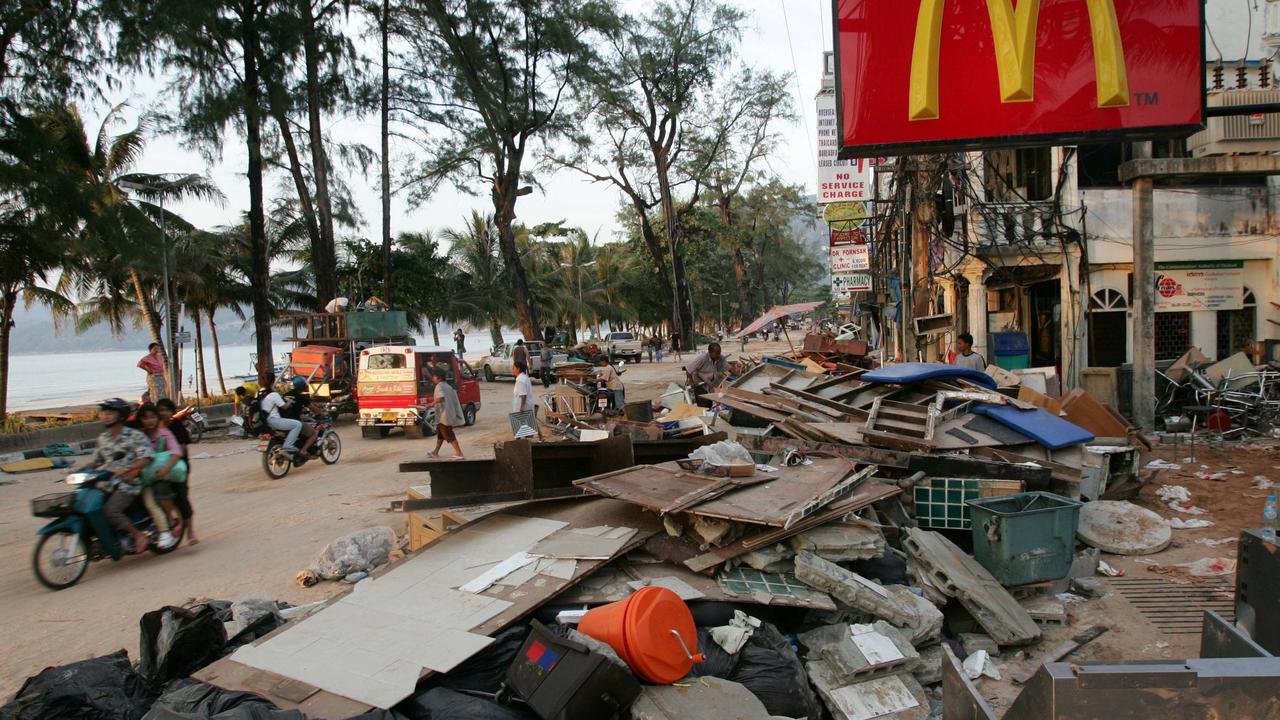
x: 78, y: 533
x: 277, y: 463
x: 193, y: 420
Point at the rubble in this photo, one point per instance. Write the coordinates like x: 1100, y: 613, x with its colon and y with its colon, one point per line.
x: 860, y: 652
x: 853, y: 590
x: 892, y: 697
x: 708, y: 698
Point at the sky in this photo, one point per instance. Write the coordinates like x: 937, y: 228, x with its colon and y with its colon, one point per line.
x: 776, y: 32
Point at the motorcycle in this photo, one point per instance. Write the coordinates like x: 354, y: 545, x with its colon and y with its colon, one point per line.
x: 277, y: 463
x: 193, y: 420
x: 78, y: 532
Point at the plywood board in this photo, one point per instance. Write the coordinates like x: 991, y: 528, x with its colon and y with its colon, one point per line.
x: 776, y: 502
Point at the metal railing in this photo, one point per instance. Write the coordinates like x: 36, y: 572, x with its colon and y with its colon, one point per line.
x: 1013, y: 223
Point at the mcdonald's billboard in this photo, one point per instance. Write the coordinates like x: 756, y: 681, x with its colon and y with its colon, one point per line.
x: 929, y: 75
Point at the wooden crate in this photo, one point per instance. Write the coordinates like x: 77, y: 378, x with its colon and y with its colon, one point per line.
x: 426, y: 526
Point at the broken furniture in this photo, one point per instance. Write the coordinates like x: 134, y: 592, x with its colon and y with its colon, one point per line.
x: 523, y: 470
x: 1257, y: 581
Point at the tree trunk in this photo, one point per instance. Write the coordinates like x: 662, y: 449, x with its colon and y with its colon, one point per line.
x: 495, y: 330
x: 435, y: 332
x: 682, y: 305
x: 217, y: 352
x: 203, y: 388
x: 277, y: 104
x: 7, y: 303
x: 326, y: 262
x: 504, y: 206
x: 149, y: 314
x: 260, y: 263
x: 384, y: 24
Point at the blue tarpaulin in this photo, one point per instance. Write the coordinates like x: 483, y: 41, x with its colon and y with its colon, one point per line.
x: 903, y: 373
x: 1044, y: 427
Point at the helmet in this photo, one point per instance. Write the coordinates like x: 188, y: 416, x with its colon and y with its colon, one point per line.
x: 299, y: 382
x: 117, y: 404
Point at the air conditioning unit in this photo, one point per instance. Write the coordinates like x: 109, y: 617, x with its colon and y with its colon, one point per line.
x: 1238, y: 134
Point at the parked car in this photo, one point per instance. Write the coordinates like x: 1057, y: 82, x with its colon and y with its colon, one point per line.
x: 623, y: 346
x: 499, y: 363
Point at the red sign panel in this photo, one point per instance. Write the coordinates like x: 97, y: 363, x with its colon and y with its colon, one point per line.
x: 924, y: 75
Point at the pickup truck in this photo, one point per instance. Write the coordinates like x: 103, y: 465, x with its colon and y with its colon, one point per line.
x: 499, y: 363
x: 624, y: 346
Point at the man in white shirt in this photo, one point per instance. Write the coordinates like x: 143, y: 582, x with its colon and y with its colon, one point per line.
x: 271, y: 405
x: 523, y: 392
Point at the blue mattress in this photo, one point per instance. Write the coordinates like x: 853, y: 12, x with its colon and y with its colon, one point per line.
x: 903, y: 373
x: 1044, y: 427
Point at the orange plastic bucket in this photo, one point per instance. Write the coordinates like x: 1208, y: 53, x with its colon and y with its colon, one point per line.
x: 652, y: 631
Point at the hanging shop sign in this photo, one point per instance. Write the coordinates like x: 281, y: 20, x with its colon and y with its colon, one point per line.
x: 845, y: 214
x: 1199, y: 285
x: 847, y: 258
x: 844, y: 283
x: 857, y: 236
x: 839, y: 181
x: 945, y: 75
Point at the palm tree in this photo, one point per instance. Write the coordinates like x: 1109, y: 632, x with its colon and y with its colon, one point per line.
x: 127, y: 236
x: 42, y: 202
x: 484, y: 296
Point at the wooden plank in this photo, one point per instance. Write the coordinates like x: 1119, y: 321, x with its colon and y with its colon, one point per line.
x: 776, y: 502
x: 839, y: 408
x: 857, y: 453
x: 747, y: 407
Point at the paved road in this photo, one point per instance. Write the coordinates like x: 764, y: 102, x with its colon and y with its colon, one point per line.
x: 256, y: 535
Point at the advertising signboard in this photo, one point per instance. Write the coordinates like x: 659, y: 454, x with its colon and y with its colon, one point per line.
x: 847, y: 258
x: 936, y: 75
x: 838, y: 180
x: 845, y: 283
x: 1199, y: 285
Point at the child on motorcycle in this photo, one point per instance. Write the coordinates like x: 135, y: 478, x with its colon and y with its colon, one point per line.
x: 124, y: 452
x: 157, y: 482
x: 181, y: 491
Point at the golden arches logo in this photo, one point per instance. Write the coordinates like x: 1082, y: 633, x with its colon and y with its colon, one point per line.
x: 1014, y: 34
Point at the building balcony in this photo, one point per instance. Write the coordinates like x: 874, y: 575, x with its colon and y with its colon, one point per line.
x: 1007, y: 225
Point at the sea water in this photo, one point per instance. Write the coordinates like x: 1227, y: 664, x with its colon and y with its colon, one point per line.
x: 52, y: 380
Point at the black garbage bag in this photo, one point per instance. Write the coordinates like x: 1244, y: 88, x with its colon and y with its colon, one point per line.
x: 445, y: 704
x: 718, y: 663
x: 178, y: 641
x: 191, y: 700
x: 888, y: 569
x: 485, y: 671
x: 101, y: 688
x: 770, y: 669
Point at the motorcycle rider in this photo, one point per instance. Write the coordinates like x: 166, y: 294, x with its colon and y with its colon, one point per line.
x: 123, y: 452
x: 270, y: 406
x: 296, y: 400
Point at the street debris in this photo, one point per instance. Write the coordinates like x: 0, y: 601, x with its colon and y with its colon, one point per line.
x: 360, y: 551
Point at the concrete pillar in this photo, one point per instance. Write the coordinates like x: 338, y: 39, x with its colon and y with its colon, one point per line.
x: 1073, y: 336
x: 977, y: 310
x: 1144, y: 317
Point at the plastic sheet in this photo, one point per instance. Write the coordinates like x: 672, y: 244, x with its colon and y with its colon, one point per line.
x: 176, y: 642
x: 190, y: 700
x: 362, y: 550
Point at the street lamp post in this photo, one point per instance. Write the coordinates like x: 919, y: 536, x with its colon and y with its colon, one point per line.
x: 171, y: 348
x: 579, y: 275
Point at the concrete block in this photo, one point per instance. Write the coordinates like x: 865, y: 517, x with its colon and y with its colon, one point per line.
x: 709, y: 698
x: 859, y: 651
x: 926, y: 628
x: 1090, y: 587
x: 929, y: 670
x: 891, y: 697
x: 776, y: 558
x: 1045, y: 609
x: 853, y: 590
x: 973, y: 642
x: 842, y: 541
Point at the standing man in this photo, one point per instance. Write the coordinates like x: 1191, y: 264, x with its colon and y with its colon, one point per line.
x: 676, y: 347
x: 965, y: 356
x: 544, y: 357
x: 609, y: 377
x: 153, y: 364
x: 448, y: 415
x: 460, y: 338
x: 707, y: 371
x: 522, y: 395
x: 520, y: 354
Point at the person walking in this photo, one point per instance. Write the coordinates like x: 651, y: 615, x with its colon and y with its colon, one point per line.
x: 460, y: 338
x: 544, y: 358
x: 153, y: 365
x: 520, y: 354
x: 650, y: 345
x: 676, y: 346
x: 448, y: 415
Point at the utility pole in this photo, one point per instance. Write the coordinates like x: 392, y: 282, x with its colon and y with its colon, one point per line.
x: 1144, y: 310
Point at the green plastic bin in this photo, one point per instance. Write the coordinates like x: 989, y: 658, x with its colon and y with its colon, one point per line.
x: 1025, y: 538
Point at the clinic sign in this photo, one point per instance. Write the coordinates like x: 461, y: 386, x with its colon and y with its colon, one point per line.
x: 1199, y: 285
x: 848, y: 258
x: 929, y: 75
